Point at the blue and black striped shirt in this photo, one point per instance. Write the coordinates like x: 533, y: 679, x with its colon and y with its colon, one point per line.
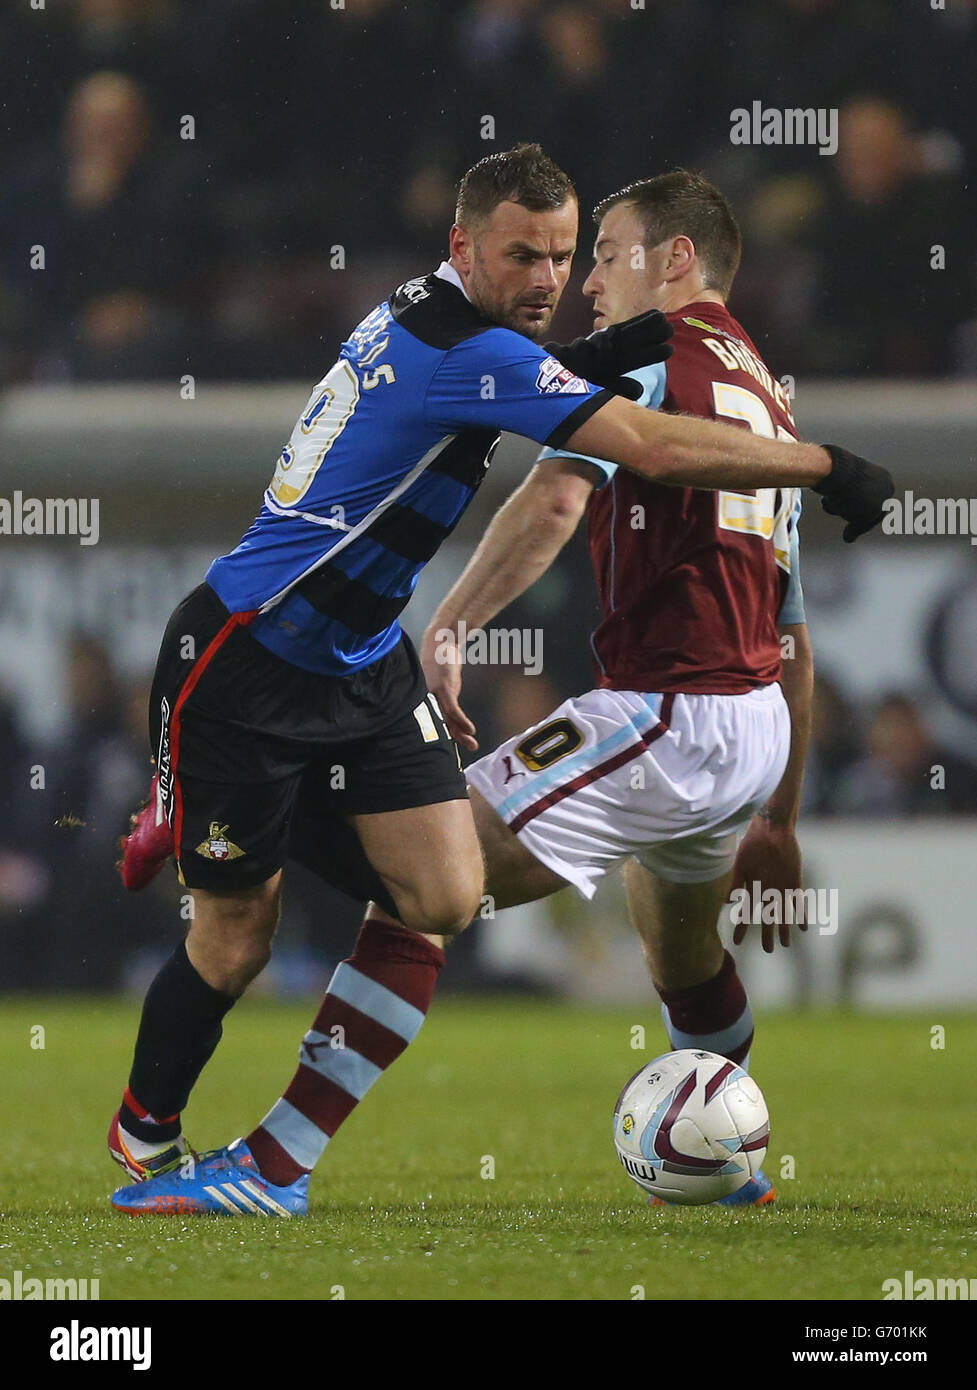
x: 388, y: 453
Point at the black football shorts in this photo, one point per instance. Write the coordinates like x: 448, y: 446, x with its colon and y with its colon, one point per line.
x: 259, y: 760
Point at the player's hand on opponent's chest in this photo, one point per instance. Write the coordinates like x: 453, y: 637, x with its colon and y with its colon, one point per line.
x: 604, y: 356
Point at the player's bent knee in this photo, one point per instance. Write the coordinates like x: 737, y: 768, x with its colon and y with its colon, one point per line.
x: 229, y: 964
x: 445, y: 914
x: 445, y: 921
x: 229, y: 941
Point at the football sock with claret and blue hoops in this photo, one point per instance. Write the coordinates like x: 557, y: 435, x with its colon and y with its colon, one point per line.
x: 374, y: 1006
x: 713, y: 1016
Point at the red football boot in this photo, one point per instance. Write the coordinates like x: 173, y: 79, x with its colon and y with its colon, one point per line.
x: 148, y: 845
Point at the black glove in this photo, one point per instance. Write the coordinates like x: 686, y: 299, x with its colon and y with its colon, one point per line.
x: 854, y: 489
x: 603, y: 357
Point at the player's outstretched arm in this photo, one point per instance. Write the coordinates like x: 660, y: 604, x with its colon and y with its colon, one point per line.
x: 769, y: 853
x: 685, y: 451
x: 523, y: 539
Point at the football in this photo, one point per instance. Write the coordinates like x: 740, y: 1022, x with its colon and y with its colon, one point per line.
x: 691, y: 1127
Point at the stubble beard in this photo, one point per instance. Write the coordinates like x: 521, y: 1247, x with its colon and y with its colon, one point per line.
x: 505, y: 315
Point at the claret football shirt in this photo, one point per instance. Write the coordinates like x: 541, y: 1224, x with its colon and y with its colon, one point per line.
x: 692, y: 582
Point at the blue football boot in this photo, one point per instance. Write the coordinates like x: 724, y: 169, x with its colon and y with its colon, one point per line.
x: 757, y: 1191
x: 223, y: 1182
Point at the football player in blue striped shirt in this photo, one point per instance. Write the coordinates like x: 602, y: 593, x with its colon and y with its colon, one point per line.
x: 286, y: 694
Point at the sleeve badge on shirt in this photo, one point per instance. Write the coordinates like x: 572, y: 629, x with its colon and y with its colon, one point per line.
x: 556, y: 380
x: 217, y: 845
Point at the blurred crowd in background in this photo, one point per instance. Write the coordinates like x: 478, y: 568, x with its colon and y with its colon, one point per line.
x: 325, y: 124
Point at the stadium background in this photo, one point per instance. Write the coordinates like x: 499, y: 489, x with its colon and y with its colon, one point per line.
x: 326, y: 146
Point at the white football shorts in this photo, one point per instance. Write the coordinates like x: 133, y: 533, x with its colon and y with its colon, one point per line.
x: 666, y: 779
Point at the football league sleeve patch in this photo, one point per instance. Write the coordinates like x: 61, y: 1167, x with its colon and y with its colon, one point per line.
x: 653, y: 381
x: 500, y: 380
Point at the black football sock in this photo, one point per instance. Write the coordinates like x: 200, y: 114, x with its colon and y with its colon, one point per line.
x: 178, y: 1032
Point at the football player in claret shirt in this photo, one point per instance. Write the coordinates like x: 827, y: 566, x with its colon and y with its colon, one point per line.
x: 695, y: 728
x: 298, y: 664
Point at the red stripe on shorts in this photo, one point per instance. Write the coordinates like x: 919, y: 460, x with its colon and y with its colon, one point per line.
x: 601, y: 770
x: 196, y: 671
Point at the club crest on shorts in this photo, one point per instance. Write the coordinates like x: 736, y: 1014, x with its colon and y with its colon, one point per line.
x: 217, y: 845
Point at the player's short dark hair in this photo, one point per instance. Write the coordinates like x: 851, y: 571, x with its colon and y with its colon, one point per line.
x: 681, y: 203
x: 523, y: 175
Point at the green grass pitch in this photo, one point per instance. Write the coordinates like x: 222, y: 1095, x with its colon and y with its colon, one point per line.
x: 877, y: 1122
